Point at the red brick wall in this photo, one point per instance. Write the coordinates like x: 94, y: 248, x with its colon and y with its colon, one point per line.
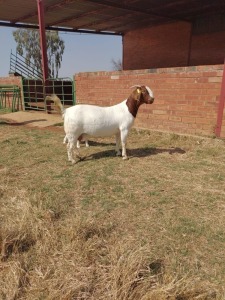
x: 223, y: 127
x: 186, y: 98
x: 208, y: 48
x: 11, y: 80
x: 156, y: 47
x: 170, y: 45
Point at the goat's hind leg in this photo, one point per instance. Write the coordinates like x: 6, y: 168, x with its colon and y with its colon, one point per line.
x: 70, y: 149
x: 65, y: 140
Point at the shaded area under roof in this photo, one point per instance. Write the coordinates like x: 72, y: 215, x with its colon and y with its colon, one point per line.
x: 105, y: 16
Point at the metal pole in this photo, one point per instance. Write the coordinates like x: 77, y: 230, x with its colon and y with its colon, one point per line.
x: 190, y: 45
x: 221, y: 106
x: 40, y: 4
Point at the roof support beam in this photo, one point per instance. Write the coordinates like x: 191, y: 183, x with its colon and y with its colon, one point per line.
x: 62, y: 29
x: 221, y: 106
x: 54, y: 7
x: 99, y: 3
x: 88, y: 25
x: 42, y: 39
x: 68, y: 19
x: 111, y: 4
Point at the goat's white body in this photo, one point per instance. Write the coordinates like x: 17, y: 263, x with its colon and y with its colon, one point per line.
x: 90, y: 120
x: 97, y: 121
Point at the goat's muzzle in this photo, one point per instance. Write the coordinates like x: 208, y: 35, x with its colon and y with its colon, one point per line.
x: 151, y: 100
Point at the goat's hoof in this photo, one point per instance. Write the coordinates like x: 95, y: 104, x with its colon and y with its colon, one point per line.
x: 81, y: 158
x: 125, y: 158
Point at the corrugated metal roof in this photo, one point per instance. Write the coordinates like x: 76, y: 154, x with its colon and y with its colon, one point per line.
x: 105, y: 16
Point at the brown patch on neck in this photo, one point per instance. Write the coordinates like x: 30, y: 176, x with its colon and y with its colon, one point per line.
x: 133, y: 105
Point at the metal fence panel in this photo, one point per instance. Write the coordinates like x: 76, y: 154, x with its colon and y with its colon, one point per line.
x: 10, y: 97
x: 35, y: 91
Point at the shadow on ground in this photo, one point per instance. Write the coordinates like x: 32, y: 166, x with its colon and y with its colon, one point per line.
x: 132, y: 153
x: 5, y: 122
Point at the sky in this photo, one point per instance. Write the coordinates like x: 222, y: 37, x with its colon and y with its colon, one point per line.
x: 83, y: 52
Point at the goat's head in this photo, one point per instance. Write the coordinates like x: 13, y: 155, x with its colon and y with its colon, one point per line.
x: 143, y: 94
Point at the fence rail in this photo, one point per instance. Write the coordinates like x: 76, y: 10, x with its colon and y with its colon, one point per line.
x: 18, y: 65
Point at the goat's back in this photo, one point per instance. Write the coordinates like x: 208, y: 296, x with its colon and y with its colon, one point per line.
x: 96, y: 120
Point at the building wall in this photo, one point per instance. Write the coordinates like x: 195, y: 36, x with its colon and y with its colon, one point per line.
x: 208, y: 48
x: 186, y: 98
x: 223, y: 127
x: 172, y: 45
x: 11, y: 80
x: 157, y: 47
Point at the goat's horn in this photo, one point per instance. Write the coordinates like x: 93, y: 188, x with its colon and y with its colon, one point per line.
x: 136, y: 85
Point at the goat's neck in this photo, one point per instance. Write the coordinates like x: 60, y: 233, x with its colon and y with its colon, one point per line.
x: 133, y: 106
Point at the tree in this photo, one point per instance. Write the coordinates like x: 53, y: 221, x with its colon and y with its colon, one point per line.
x: 28, y: 45
x: 117, y: 65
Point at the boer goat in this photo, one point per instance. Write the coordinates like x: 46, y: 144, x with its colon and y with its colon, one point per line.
x: 85, y: 120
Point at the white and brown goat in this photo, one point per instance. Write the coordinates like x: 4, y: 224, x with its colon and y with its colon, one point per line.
x: 81, y: 121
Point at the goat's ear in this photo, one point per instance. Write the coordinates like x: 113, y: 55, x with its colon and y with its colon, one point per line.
x: 137, y: 94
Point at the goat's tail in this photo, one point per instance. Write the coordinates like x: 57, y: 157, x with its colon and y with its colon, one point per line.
x: 57, y: 102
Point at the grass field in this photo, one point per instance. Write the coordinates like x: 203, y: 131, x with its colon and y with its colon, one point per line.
x: 150, y: 228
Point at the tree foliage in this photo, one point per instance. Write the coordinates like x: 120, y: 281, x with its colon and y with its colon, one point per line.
x: 28, y: 45
x: 117, y: 65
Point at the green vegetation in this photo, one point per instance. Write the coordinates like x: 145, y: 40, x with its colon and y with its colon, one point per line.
x: 28, y: 45
x: 5, y: 110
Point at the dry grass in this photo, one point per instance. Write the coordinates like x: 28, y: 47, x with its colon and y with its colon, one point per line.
x: 150, y: 228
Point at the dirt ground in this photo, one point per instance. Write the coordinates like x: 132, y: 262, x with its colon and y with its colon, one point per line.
x: 33, y: 119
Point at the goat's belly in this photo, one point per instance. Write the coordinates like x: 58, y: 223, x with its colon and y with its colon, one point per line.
x: 100, y: 131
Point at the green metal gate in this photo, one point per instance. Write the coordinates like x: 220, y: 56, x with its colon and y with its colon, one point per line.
x: 63, y: 88
x: 35, y: 91
x: 33, y: 94
x: 10, y: 97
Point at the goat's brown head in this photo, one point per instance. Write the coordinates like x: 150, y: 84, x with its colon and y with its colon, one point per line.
x: 143, y: 94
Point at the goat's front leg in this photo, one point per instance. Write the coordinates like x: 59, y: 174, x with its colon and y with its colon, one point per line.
x: 118, y: 153
x: 124, y: 134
